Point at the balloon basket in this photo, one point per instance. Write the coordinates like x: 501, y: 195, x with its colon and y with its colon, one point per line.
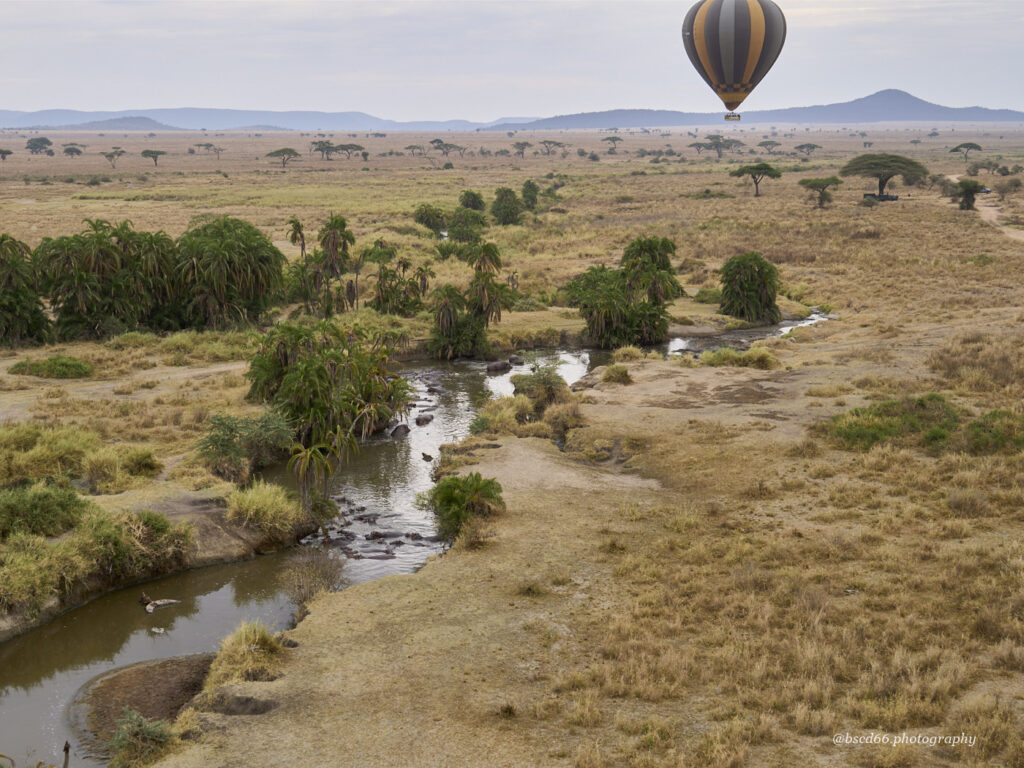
x: 732, y: 117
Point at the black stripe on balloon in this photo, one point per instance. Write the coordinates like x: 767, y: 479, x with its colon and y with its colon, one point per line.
x: 712, y: 21
x: 774, y: 37
x: 741, y: 41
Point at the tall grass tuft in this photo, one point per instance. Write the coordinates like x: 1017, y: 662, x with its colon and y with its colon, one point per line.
x: 249, y: 653
x: 455, y: 500
x: 267, y: 507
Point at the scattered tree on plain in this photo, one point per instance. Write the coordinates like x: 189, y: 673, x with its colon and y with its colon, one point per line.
x: 72, y: 151
x: 613, y: 142
x: 807, y: 149
x: 884, y: 167
x: 757, y: 174
x: 769, y: 146
x: 285, y: 155
x: 38, y: 145
x: 821, y: 188
x: 507, y: 208
x: 966, y: 148
x: 965, y: 192
x: 151, y: 154
x: 113, y: 155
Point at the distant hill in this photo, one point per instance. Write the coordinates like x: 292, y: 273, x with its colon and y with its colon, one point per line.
x: 194, y: 119
x: 884, y: 106
x: 134, y: 123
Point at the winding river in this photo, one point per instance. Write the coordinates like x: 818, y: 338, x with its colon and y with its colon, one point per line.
x: 381, y: 532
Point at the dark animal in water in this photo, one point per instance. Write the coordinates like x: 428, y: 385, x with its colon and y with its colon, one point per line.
x: 151, y: 605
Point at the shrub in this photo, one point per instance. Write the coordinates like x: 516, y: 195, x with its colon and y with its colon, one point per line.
x: 994, y: 432
x: 465, y: 225
x: 138, y: 741
x: 42, y: 510
x: 543, y: 386
x: 749, y: 286
x: 627, y: 354
x: 927, y: 420
x: 267, y: 507
x: 430, y: 216
x: 234, y: 447
x: 755, y: 357
x: 29, y: 452
x: 101, y: 469
x: 472, y: 200
x: 708, y: 296
x: 529, y: 304
x: 562, y: 417
x: 454, y: 500
x: 249, y: 653
x: 616, y: 374
x: 504, y: 415
x: 529, y: 193
x: 507, y: 208
x: 56, y: 367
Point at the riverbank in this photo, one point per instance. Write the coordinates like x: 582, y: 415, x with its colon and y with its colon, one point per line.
x: 682, y: 586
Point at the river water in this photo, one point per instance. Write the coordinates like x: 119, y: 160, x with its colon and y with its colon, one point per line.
x: 381, y: 532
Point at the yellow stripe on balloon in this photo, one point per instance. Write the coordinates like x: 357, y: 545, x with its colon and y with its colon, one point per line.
x: 757, y: 32
x: 700, y: 39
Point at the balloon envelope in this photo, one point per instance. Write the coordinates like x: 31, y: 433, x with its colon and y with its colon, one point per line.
x: 733, y: 44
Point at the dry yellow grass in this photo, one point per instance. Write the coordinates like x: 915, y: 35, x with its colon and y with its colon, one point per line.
x: 732, y: 590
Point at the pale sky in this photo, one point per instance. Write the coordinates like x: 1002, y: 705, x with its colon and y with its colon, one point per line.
x: 484, y: 59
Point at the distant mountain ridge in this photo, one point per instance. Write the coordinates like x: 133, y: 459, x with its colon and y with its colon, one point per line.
x: 885, y: 106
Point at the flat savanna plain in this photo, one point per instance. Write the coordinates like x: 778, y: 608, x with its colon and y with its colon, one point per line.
x: 703, y: 577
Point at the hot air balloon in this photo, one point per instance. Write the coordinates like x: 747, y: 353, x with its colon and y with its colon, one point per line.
x: 733, y: 44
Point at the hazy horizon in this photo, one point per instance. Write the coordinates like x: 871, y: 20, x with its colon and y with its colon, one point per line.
x: 486, y: 59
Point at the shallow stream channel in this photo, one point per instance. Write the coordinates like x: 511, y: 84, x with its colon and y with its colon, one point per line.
x: 381, y: 531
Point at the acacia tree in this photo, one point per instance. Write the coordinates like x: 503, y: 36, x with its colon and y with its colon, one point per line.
x: 719, y: 144
x: 113, y: 155
x: 152, y: 154
x: 285, y: 155
x: 966, y: 148
x: 520, y: 148
x: 613, y: 142
x: 4, y: 153
x: 821, y: 187
x: 769, y: 146
x: 548, y: 146
x: 807, y: 149
x: 884, y: 167
x: 72, y: 151
x: 757, y: 174
x: 38, y: 145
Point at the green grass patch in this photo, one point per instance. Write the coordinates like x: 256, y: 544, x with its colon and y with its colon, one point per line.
x: 994, y: 432
x: 755, y: 357
x: 708, y: 296
x: 138, y: 741
x: 928, y: 421
x: 40, y: 510
x: 455, y: 500
x: 55, y: 367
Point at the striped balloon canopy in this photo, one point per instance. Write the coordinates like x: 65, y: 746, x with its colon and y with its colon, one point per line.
x: 733, y: 44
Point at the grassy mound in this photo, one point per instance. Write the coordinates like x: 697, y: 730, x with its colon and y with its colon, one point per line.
x: 56, y: 367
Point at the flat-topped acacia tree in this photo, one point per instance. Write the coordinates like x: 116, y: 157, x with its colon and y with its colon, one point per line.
x: 151, y: 154
x: 884, y: 167
x: 757, y: 174
x: 285, y: 155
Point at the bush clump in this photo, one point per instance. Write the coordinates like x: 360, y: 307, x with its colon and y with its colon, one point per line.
x: 267, y: 507
x: 616, y: 374
x: 455, y: 500
x: 55, y: 367
x: 234, y: 447
x: 248, y: 653
x: 138, y: 741
x: 755, y: 357
x: 543, y: 386
x: 42, y: 510
x: 750, y: 284
x: 708, y: 296
x: 927, y: 421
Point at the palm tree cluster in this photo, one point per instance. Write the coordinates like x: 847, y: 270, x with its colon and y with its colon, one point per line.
x: 461, y: 318
x: 628, y: 305
x: 112, y: 278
